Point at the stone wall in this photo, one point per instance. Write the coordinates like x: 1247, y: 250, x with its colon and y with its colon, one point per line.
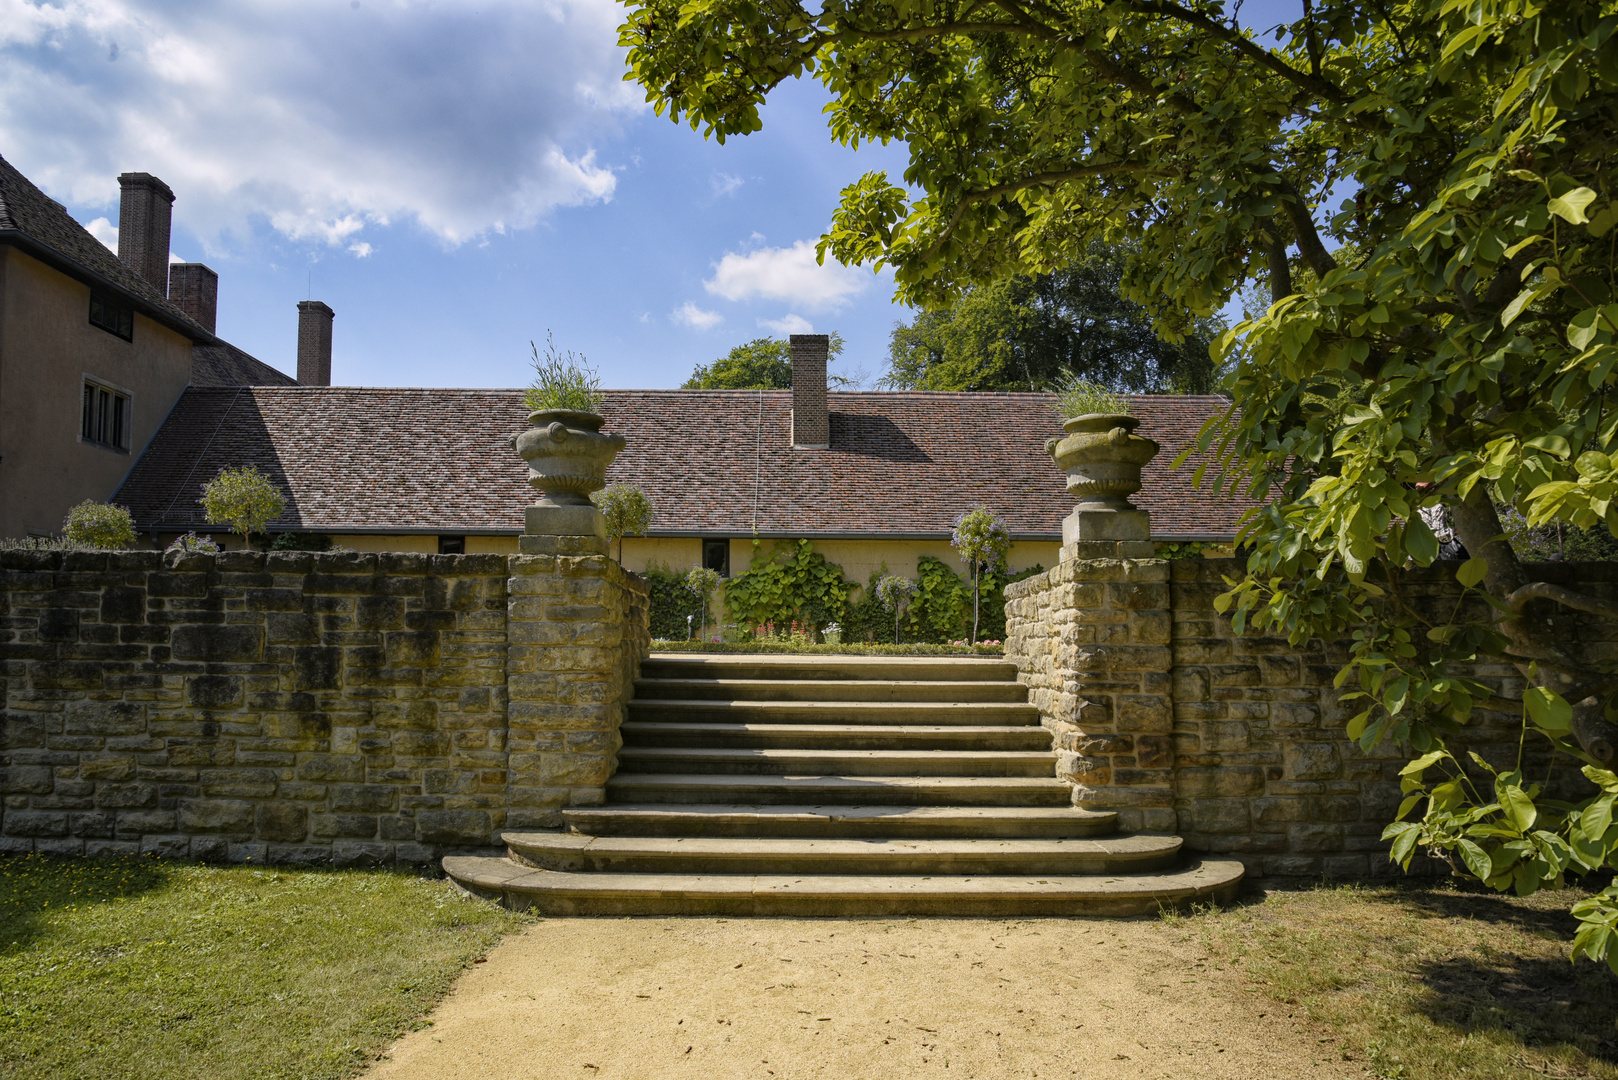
x: 1163, y: 713
x: 291, y: 706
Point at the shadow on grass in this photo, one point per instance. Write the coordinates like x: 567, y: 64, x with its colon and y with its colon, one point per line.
x: 32, y: 885
x: 1542, y: 1002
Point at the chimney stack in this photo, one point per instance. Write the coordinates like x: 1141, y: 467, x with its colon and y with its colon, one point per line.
x: 314, y: 343
x: 811, y: 420
x: 194, y: 289
x: 144, y: 214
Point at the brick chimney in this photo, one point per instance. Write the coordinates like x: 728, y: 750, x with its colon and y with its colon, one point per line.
x: 811, y: 421
x: 314, y: 343
x: 144, y: 214
x: 194, y: 289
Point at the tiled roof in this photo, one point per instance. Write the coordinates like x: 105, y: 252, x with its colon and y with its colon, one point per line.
x: 713, y: 462
x: 28, y: 214
x: 226, y: 365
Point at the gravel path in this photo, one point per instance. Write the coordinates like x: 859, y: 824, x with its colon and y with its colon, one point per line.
x: 856, y: 999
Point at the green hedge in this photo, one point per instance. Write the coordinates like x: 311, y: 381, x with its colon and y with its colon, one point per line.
x: 671, y: 602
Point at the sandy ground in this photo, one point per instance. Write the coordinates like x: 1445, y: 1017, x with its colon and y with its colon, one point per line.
x: 855, y: 999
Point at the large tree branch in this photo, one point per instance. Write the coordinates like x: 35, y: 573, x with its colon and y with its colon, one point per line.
x: 1310, y: 248
x: 1544, y: 590
x: 1275, y: 254
x: 1315, y: 84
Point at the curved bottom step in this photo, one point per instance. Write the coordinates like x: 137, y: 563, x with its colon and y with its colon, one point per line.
x: 551, y: 892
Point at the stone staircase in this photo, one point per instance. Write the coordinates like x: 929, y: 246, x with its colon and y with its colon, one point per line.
x: 838, y: 785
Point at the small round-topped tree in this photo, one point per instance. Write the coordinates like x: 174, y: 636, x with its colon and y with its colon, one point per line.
x: 1102, y: 457
x: 566, y: 451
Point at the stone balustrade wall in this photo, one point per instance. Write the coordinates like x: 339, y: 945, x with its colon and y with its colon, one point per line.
x: 1236, y: 741
x: 291, y: 706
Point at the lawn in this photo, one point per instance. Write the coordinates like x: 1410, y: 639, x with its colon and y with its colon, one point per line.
x: 126, y: 968
x: 1428, y: 983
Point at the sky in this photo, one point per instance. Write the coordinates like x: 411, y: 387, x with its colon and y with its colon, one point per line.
x: 456, y: 178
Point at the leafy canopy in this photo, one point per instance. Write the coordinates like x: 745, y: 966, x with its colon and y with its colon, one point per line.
x: 1028, y: 331
x: 100, y: 525
x: 244, y: 498
x: 626, y: 510
x: 761, y: 364
x: 1460, y: 349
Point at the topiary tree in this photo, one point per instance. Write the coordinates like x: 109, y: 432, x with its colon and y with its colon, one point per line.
x: 893, y: 592
x: 245, y: 499
x: 983, y: 541
x: 703, y: 582
x: 101, y: 525
x: 627, y: 510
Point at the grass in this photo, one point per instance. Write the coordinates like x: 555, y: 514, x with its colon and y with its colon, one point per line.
x: 859, y: 649
x: 131, y: 968
x: 1429, y: 983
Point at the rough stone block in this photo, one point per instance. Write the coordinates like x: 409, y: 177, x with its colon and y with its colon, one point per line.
x: 281, y: 822
x: 218, y: 644
x: 1312, y: 761
x: 213, y: 691
x: 216, y: 816
x: 454, y: 826
x: 364, y: 798
x: 35, y: 823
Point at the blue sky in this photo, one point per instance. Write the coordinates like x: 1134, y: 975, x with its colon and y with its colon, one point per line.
x: 454, y: 179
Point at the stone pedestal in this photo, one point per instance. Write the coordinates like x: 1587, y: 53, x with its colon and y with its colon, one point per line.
x: 1106, y: 533
x: 544, y: 522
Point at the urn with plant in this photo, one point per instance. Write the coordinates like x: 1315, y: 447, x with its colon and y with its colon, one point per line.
x: 566, y: 452
x: 1102, y: 457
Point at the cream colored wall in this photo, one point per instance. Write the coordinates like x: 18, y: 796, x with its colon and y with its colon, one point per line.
x: 380, y: 542
x: 680, y: 553
x: 491, y: 545
x: 47, y: 347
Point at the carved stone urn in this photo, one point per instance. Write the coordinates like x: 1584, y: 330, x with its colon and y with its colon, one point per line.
x: 1102, y: 457
x: 567, y: 457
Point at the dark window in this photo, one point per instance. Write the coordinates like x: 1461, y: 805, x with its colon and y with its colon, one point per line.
x: 452, y: 545
x: 716, y: 556
x: 104, y: 418
x: 113, y: 317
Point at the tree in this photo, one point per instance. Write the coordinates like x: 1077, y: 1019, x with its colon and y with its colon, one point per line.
x: 702, y: 582
x: 1025, y: 332
x: 1460, y: 348
x: 761, y: 364
x: 983, y: 541
x: 894, y: 592
x: 245, y: 499
x: 627, y: 511
x: 101, y: 525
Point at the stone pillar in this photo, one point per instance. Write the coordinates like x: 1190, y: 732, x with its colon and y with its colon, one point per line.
x: 577, y: 632
x: 1091, y: 641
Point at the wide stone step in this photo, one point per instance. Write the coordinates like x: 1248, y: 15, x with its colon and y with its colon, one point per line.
x: 910, y: 690
x: 837, y: 736
x: 890, y: 713
x: 892, y: 822
x: 839, y: 790
x: 755, y: 855
x: 798, y: 762
x: 776, y: 666
x: 551, y: 892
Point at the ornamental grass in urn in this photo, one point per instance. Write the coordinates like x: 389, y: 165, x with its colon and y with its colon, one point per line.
x: 1101, y: 455
x: 566, y: 452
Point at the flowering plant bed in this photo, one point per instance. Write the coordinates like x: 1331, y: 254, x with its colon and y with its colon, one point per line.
x: 980, y: 649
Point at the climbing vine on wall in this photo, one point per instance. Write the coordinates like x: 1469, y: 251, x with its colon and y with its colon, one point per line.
x: 793, y: 584
x: 671, y: 602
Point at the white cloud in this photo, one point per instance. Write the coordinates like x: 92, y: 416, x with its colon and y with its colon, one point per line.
x: 722, y: 184
x: 688, y: 314
x: 789, y: 324
x: 104, y: 231
x: 360, y: 249
x: 789, y: 274
x: 320, y: 118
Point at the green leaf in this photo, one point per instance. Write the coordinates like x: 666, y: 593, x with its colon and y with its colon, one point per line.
x: 1547, y: 709
x: 1602, y: 223
x: 1570, y: 207
x: 1420, y: 541
x: 1472, y: 571
x: 1425, y: 761
x: 1408, y: 805
x: 1476, y: 859
x: 1518, y: 808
